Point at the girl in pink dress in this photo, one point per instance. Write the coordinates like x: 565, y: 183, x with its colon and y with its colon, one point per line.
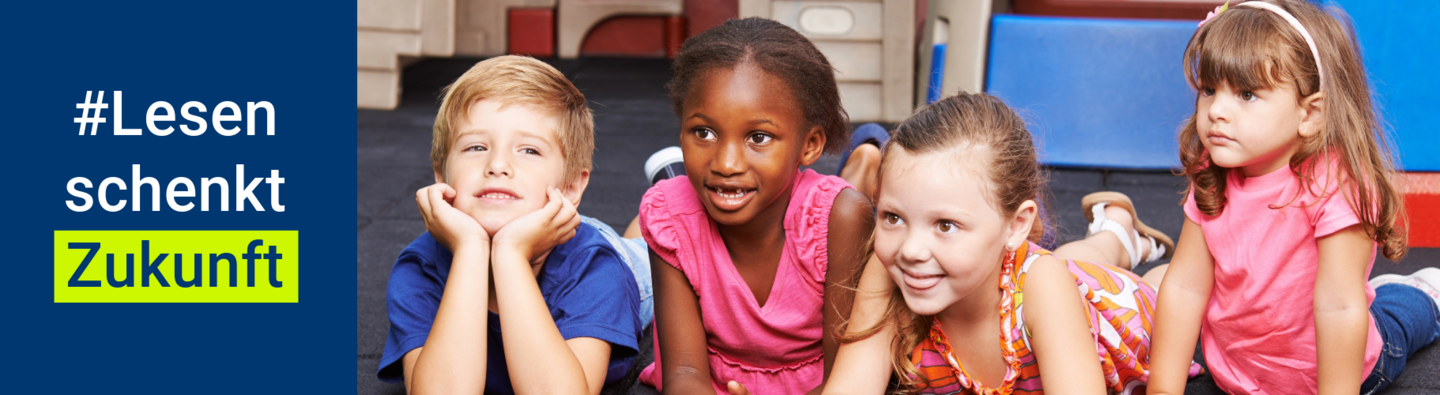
x: 1291, y: 194
x: 747, y: 249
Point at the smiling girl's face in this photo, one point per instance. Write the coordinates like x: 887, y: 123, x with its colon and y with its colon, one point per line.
x: 938, y: 233
x: 744, y: 139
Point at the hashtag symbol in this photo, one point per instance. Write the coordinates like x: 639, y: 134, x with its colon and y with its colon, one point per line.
x: 94, y: 120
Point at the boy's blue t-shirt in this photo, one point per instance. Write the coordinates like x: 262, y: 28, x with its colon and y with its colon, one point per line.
x: 589, y: 290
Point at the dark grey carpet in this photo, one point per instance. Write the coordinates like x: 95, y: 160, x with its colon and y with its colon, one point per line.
x: 633, y: 120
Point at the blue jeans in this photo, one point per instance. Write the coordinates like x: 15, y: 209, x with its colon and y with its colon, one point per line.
x: 1408, y: 321
x: 637, y: 256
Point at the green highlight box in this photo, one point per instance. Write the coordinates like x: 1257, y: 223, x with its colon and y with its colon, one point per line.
x: 149, y: 279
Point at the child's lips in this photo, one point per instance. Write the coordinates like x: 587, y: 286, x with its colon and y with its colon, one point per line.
x: 730, y: 198
x: 921, y: 282
x: 497, y: 196
x: 1217, y: 138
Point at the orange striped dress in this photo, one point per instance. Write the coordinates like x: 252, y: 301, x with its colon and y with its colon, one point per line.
x: 1119, y: 307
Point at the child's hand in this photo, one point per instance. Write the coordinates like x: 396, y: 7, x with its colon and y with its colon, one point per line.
x: 451, y: 227
x: 736, y: 388
x: 535, y: 233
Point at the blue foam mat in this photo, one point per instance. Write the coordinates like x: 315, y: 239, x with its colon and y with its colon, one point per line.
x: 1095, y: 92
x: 1111, y: 92
x: 1400, y: 43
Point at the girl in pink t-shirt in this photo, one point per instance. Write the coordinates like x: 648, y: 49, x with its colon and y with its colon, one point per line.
x: 752, y: 246
x: 1291, y: 193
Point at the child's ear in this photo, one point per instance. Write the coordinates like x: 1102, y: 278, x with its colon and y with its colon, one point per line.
x: 814, y: 146
x: 1314, y: 118
x: 574, y: 189
x: 439, y: 176
x: 1021, y: 224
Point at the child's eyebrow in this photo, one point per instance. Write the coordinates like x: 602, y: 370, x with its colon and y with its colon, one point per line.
x: 521, y: 132
x: 537, y: 136
x: 947, y: 213
x: 461, y: 134
x: 756, y: 121
x: 701, y: 116
x: 762, y: 120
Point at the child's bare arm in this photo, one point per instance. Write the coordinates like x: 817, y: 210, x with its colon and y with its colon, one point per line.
x: 685, y: 362
x: 539, y: 359
x: 1342, y: 316
x: 852, y: 221
x: 453, y: 359
x: 864, y: 366
x: 1060, y: 330
x: 1179, y: 310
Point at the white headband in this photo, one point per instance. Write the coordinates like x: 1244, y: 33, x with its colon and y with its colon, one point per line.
x: 1298, y: 27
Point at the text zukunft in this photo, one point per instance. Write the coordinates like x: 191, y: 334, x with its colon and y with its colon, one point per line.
x: 150, y: 267
x: 178, y: 192
x: 177, y: 266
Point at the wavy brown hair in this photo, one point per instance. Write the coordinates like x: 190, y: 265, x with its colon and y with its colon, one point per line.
x: 1252, y: 49
x: 979, y: 122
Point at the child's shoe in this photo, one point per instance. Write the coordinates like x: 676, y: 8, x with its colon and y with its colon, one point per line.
x: 1161, y: 246
x: 869, y: 133
x: 1427, y: 280
x: 664, y: 164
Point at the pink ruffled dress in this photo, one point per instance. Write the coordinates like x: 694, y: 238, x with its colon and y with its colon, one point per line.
x: 770, y: 349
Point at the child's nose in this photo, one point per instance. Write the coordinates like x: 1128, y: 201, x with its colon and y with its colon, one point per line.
x: 499, y: 166
x: 913, y: 249
x: 1219, y: 109
x: 730, y: 160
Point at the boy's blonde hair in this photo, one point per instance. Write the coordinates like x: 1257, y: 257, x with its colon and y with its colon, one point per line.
x: 519, y: 80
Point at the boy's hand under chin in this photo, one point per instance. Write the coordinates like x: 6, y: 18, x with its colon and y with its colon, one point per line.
x: 533, y: 235
x: 451, y: 227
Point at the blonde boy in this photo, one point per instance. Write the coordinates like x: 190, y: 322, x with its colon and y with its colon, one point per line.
x: 508, y: 291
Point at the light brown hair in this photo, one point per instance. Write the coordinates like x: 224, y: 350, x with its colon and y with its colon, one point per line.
x: 982, y: 124
x: 1251, y: 49
x: 519, y: 80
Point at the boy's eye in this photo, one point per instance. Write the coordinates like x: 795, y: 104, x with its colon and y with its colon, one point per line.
x: 1208, y: 91
x: 530, y: 151
x: 1247, y: 96
x: 476, y: 148
x: 760, y: 138
x: 704, y: 133
x: 890, y: 218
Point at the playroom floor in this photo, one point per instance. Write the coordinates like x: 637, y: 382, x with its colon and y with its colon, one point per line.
x: 633, y: 120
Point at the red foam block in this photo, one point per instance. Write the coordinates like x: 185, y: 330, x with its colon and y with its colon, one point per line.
x: 532, y: 32
x: 1422, y: 206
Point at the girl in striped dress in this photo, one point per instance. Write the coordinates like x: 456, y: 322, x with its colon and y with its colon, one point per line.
x: 957, y: 297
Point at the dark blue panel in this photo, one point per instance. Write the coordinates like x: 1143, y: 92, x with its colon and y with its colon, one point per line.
x: 1400, y: 42
x: 1096, y: 92
x: 299, y: 56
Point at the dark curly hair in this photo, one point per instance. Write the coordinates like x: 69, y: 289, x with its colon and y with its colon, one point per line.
x: 776, y: 49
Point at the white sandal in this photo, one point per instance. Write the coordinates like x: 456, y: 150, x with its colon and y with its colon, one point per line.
x: 1161, y: 246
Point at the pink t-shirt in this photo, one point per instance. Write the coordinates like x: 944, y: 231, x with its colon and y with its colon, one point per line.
x: 773, y: 349
x: 1259, y: 328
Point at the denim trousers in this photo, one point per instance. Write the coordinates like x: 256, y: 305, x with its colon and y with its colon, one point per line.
x: 637, y: 256
x: 1408, y: 320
